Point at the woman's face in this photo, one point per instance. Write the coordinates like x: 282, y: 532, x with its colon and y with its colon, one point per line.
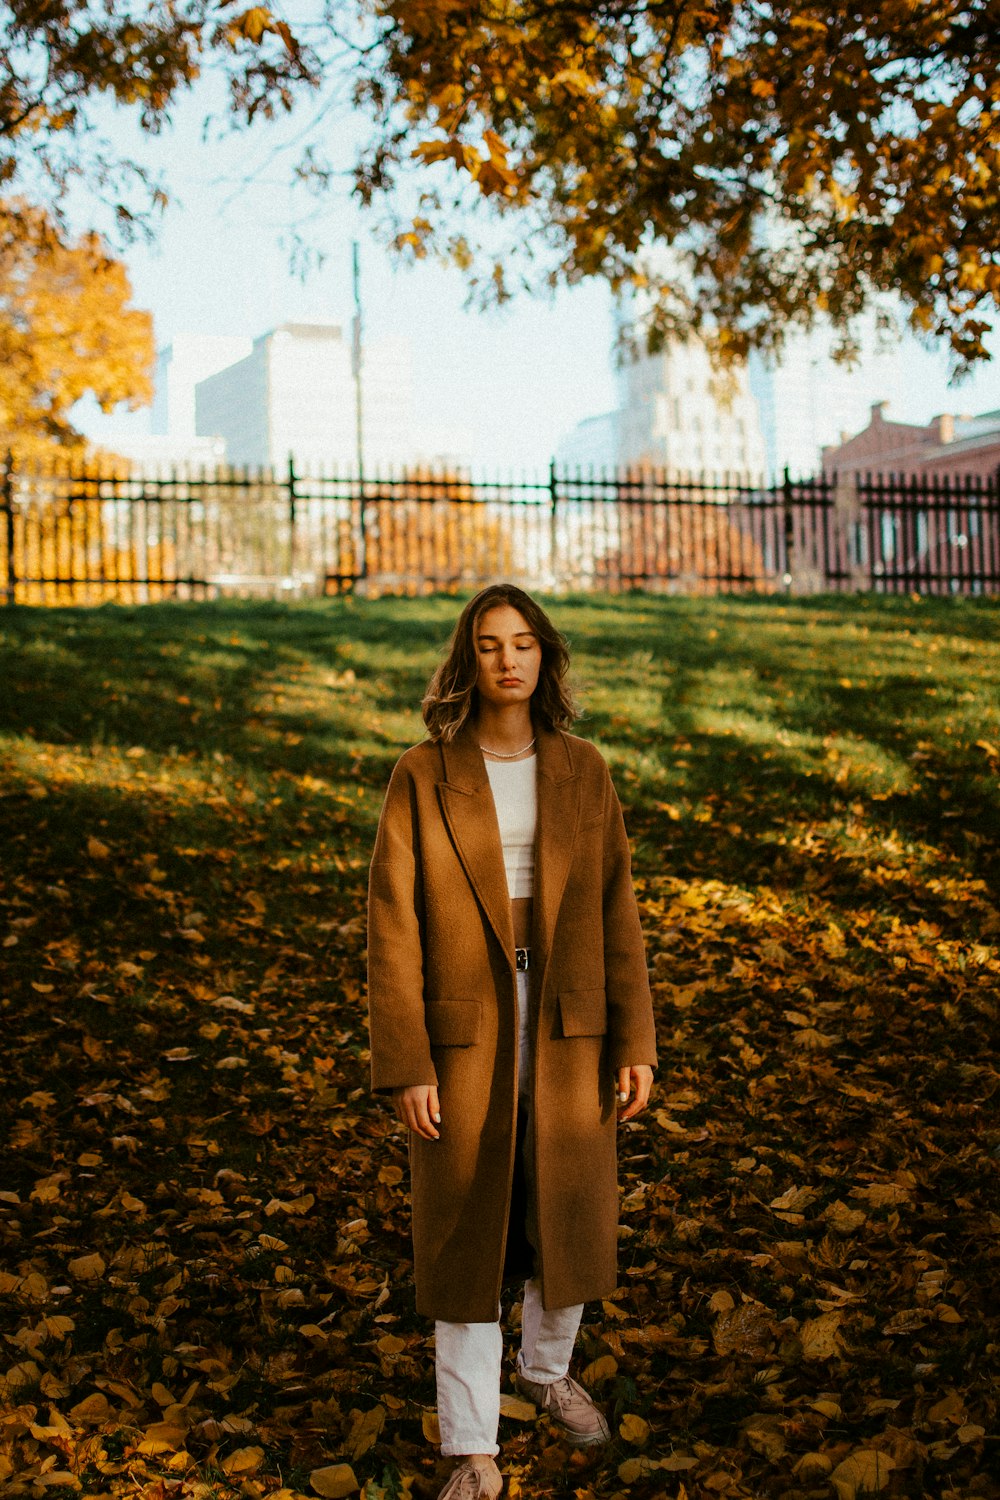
x: 509, y: 656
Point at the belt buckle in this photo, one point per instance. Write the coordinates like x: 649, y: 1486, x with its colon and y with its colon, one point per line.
x: 521, y: 959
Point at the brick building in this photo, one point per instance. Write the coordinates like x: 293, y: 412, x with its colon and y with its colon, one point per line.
x: 948, y: 445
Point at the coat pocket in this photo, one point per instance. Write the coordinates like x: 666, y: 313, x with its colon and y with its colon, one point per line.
x: 453, y: 1023
x: 583, y: 1012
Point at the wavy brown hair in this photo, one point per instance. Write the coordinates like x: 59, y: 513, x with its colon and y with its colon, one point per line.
x: 452, y: 696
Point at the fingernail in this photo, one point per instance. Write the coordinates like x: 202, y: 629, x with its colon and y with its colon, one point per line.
x: 436, y: 1119
x: 623, y: 1097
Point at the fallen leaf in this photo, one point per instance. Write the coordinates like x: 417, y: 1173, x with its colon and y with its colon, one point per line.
x: 864, y: 1472
x: 517, y: 1408
x: 634, y: 1430
x: 244, y: 1461
x: 334, y: 1482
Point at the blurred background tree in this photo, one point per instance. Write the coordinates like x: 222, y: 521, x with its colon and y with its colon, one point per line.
x: 742, y: 166
x: 66, y: 330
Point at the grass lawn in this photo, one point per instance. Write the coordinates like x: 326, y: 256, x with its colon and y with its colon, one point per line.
x: 203, y: 1212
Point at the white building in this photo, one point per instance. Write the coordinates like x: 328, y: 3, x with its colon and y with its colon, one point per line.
x: 294, y: 394
x: 680, y: 414
x: 190, y: 358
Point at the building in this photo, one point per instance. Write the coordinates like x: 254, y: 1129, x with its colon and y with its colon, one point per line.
x: 190, y: 358
x: 294, y: 394
x: 680, y: 414
x: 948, y: 445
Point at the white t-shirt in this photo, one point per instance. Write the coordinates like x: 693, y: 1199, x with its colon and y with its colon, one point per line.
x: 515, y: 799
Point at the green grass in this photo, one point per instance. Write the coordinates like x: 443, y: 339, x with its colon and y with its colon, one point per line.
x: 190, y: 794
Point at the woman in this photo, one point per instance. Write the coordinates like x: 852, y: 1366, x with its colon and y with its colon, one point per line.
x: 509, y: 1005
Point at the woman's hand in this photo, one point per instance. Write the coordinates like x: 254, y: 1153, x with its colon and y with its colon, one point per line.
x: 418, y: 1109
x: 641, y: 1079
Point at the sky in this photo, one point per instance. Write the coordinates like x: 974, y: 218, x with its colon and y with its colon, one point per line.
x: 503, y: 385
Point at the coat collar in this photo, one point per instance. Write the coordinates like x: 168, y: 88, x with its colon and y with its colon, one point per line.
x: 468, y: 807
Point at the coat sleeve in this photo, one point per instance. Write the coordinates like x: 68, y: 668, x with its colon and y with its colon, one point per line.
x: 400, y: 1046
x: 632, y: 1034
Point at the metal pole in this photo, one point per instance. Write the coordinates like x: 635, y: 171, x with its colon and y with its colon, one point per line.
x: 553, y: 523
x: 359, y: 431
x: 789, y: 531
x: 7, y: 506
x: 291, y: 519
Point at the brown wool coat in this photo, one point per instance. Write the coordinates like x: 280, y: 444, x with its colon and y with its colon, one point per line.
x: 442, y: 1010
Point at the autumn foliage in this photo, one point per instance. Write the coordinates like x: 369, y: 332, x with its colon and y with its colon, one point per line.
x: 791, y: 160
x: 203, y: 1212
x: 67, y: 330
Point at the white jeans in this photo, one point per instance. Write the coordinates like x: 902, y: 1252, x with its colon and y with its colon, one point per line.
x: 468, y: 1355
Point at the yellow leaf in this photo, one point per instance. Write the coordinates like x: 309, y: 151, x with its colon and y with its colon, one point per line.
x: 48, y: 1189
x: 243, y: 1461
x: 365, y: 1428
x: 634, y: 1430
x: 862, y: 1473
x: 600, y: 1370
x: 636, y: 1468
x: 41, y: 1098
x: 950, y: 1408
x: 162, y: 1437
x: 96, y: 849
x: 133, y: 1205
x: 92, y: 1409
x: 86, y: 1267
x: 334, y: 1482
x: 24, y: 1373
x: 252, y: 23
x: 812, y: 1466
x: 516, y: 1408
x: 391, y: 1344
x: 391, y: 1176
x: 431, y: 1430
x: 58, y: 1326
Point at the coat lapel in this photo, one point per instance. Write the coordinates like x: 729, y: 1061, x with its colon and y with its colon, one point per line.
x: 467, y: 804
x: 555, y: 835
x: 468, y: 808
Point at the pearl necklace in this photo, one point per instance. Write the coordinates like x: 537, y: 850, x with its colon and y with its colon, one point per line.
x: 509, y: 754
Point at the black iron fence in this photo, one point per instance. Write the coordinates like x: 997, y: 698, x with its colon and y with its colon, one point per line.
x: 84, y: 535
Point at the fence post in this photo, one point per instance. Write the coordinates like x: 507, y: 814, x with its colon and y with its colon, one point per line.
x: 7, y: 506
x: 362, y: 570
x: 553, y: 534
x: 787, y: 528
x: 291, y: 516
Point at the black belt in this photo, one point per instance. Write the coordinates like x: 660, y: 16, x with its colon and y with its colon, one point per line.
x: 521, y: 958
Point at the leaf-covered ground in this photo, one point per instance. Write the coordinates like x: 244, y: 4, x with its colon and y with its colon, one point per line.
x: 206, y: 1286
